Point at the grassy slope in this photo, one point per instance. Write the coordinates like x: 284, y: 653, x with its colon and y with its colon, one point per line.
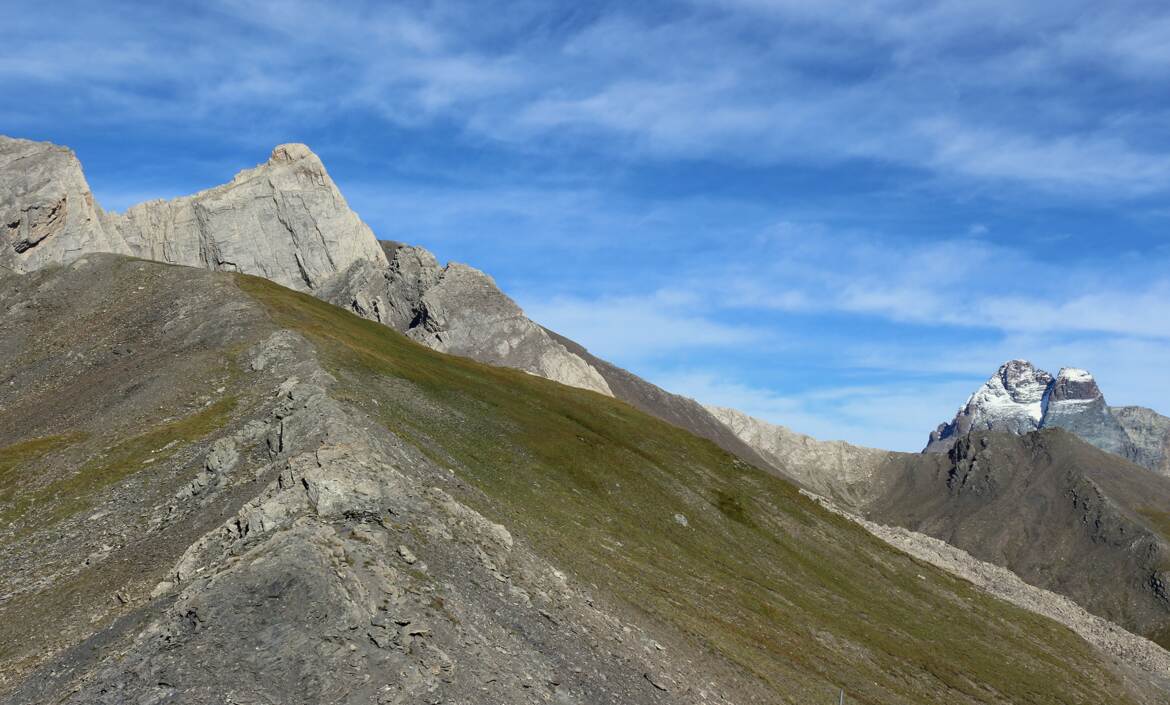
x: 804, y: 600
x: 65, y: 496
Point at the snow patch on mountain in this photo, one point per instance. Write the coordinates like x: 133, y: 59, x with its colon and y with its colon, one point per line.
x: 1019, y: 398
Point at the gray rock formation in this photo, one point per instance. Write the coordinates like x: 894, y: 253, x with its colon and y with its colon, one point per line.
x: 1075, y: 403
x: 459, y: 310
x: 47, y: 212
x: 830, y: 468
x: 1149, y: 432
x: 1020, y: 399
x: 1012, y: 401
x: 292, y: 551
x: 284, y: 220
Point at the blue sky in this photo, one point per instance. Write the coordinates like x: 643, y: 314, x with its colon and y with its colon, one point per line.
x: 839, y: 216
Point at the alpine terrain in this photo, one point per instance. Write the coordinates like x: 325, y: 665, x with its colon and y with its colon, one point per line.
x: 249, y: 453
x: 1020, y: 398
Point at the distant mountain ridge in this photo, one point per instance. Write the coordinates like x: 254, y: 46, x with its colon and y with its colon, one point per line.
x: 1020, y: 398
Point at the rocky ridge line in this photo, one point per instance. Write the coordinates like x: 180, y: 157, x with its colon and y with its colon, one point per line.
x: 284, y: 220
x: 831, y: 468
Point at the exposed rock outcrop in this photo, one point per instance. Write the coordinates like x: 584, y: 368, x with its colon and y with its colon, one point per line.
x: 294, y: 551
x: 284, y: 220
x: 830, y: 468
x: 1149, y: 432
x: 1019, y: 398
x: 1012, y: 401
x: 457, y: 309
x: 47, y: 212
x: 1075, y: 403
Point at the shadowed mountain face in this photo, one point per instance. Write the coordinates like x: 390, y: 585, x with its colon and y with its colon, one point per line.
x: 1058, y: 512
x: 1063, y: 515
x: 308, y: 506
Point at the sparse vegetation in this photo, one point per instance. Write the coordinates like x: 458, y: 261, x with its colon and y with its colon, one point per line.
x: 799, y: 598
x: 19, y: 459
x: 75, y: 492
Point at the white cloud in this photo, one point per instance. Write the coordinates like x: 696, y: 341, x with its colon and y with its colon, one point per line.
x: 746, y: 81
x: 630, y: 329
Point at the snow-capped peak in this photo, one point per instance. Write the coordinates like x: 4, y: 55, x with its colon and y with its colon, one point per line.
x: 1020, y: 398
x: 1074, y: 374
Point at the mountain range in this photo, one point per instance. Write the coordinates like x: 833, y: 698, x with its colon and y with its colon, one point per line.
x: 309, y: 465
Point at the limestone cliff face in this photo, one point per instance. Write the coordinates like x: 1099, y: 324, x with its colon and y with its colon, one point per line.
x: 284, y: 220
x: 47, y: 212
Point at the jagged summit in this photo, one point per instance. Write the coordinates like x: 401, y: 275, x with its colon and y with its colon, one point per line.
x: 291, y: 152
x: 284, y: 220
x: 1020, y: 398
x: 1011, y: 400
x: 1076, y: 385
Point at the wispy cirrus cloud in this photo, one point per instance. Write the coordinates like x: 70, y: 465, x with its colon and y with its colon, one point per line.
x: 745, y: 81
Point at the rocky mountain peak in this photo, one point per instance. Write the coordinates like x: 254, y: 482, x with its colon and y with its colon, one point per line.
x: 291, y: 152
x: 46, y: 208
x: 1073, y: 384
x: 1020, y: 398
x: 1019, y: 381
x: 1011, y: 400
x: 284, y: 220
